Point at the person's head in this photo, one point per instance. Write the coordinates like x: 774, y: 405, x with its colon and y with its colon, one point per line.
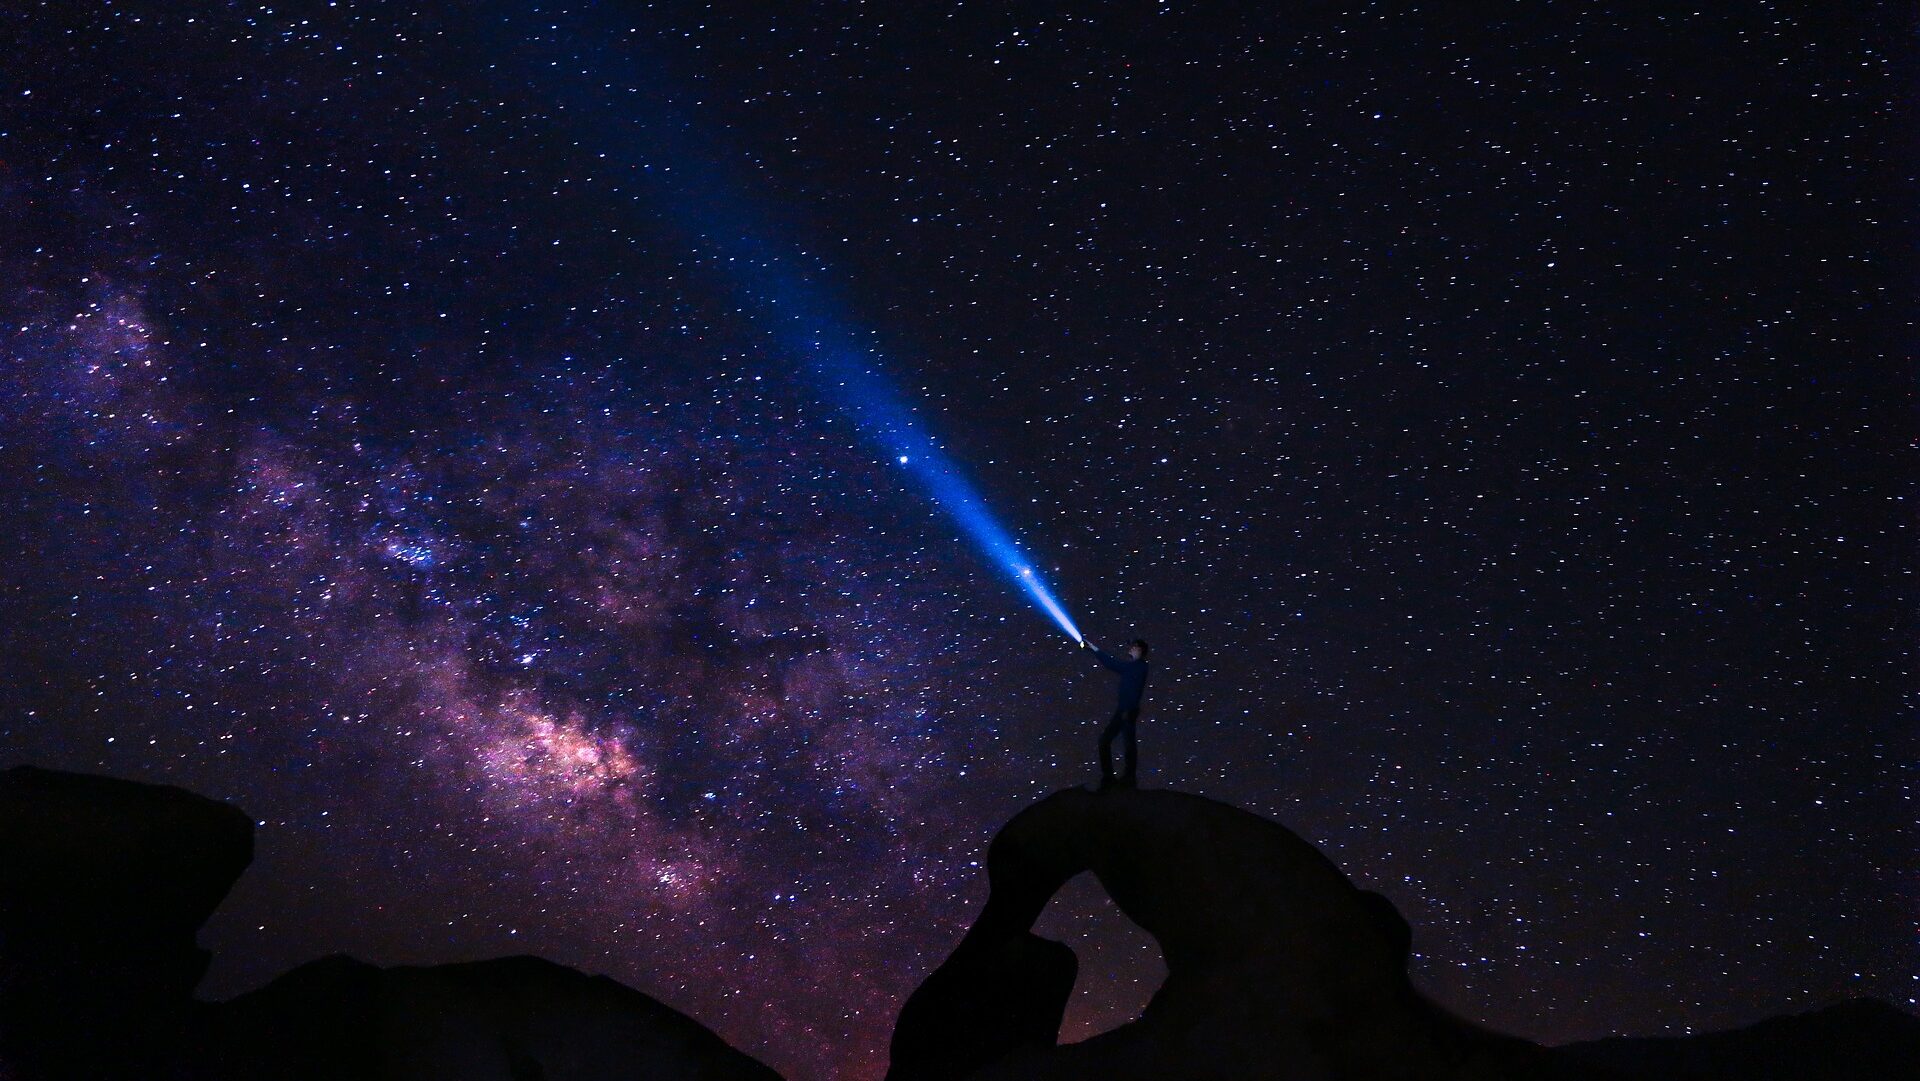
x: 1138, y: 650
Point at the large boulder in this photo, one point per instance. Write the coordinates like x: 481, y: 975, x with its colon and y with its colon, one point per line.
x: 1277, y: 965
x: 508, y: 1019
x: 106, y: 883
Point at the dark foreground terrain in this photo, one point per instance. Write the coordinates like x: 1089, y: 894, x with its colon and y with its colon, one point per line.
x: 1277, y: 967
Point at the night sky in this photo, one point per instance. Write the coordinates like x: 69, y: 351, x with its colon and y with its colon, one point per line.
x: 1495, y: 416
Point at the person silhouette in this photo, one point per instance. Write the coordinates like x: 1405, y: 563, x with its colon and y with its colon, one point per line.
x: 1133, y: 670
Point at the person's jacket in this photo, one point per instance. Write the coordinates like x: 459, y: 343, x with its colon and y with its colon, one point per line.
x: 1133, y: 677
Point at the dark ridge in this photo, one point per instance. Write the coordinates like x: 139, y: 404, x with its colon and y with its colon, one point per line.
x: 106, y: 885
x: 1859, y: 1040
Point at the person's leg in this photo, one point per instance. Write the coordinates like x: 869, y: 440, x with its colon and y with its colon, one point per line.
x: 1106, y: 747
x: 1129, y: 778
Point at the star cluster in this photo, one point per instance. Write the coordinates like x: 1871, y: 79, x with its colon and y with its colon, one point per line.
x: 1492, y: 420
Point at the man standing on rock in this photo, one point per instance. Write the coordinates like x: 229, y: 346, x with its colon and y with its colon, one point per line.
x: 1126, y: 711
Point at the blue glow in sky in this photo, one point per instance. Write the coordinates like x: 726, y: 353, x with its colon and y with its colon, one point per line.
x: 882, y: 414
x: 779, y: 285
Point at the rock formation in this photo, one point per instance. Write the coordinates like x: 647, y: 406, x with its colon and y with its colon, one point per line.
x: 106, y: 882
x: 1277, y: 965
x: 1278, y: 968
x: 996, y: 996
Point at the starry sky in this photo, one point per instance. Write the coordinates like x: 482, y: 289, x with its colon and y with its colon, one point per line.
x: 1492, y: 415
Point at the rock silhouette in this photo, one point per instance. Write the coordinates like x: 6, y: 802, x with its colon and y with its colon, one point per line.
x: 1277, y: 965
x: 995, y: 996
x: 106, y: 884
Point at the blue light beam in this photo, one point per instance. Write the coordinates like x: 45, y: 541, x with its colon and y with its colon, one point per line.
x: 593, y: 67
x: 883, y: 416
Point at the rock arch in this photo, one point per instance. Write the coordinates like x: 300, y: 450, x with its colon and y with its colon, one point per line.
x: 1277, y: 965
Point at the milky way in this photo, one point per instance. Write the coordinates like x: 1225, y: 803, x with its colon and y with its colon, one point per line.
x: 1492, y: 426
